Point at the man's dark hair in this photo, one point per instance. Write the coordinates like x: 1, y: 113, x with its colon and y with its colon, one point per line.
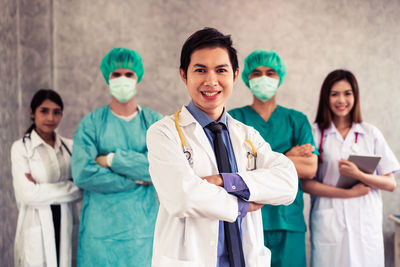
x: 207, y: 38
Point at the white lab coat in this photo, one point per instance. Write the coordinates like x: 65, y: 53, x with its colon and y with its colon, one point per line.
x: 348, y: 232
x: 186, y: 232
x: 50, y: 167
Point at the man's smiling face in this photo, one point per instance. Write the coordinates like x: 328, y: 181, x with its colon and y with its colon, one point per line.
x: 210, y: 79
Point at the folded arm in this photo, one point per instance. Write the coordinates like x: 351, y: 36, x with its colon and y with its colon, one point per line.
x: 304, y: 160
x: 180, y: 190
x: 275, y: 180
x: 89, y: 175
x: 38, y: 194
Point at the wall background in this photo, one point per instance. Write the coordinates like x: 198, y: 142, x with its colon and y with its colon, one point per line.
x: 59, y: 44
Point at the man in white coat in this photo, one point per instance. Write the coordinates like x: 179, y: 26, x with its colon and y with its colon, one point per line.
x: 212, y: 173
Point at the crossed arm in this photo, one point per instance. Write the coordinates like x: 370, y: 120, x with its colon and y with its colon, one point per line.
x: 305, y: 162
x: 29, y: 192
x: 217, y: 180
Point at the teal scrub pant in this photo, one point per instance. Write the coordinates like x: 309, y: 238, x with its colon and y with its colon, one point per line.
x: 288, y: 248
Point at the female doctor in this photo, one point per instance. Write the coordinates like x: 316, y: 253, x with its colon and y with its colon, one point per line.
x: 346, y: 224
x: 43, y: 188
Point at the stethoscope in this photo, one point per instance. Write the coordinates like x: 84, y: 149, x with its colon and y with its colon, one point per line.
x: 186, y: 149
x: 251, y: 156
x: 62, y: 143
x: 320, y: 150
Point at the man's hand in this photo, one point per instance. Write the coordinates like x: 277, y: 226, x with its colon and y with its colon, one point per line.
x: 305, y: 150
x: 214, y: 179
x: 102, y: 161
x: 30, y: 178
x: 349, y: 169
x: 143, y: 182
x: 254, y: 206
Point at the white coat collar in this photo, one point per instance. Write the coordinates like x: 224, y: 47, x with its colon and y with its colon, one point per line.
x: 37, y: 141
x: 355, y: 128
x: 186, y: 118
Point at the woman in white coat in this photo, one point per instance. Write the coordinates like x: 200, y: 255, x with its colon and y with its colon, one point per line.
x: 44, y: 190
x: 346, y: 224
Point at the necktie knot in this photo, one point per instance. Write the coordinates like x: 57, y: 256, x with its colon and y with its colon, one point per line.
x: 215, y: 127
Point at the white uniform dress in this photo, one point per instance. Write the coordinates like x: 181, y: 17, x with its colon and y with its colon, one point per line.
x: 186, y: 233
x: 50, y: 167
x: 348, y: 232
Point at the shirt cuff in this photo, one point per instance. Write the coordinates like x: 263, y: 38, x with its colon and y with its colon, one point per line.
x: 109, y: 159
x: 234, y: 184
x: 243, y: 207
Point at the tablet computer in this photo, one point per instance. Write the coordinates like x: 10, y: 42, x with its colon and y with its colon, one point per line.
x: 366, y: 164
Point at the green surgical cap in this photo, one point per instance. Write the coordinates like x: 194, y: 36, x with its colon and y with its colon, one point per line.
x: 266, y: 58
x: 122, y: 58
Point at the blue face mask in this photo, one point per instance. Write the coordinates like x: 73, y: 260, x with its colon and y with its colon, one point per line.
x: 123, y: 88
x: 264, y: 87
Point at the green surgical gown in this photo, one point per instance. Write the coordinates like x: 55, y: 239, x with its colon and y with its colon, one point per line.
x: 284, y: 129
x: 118, y: 215
x: 284, y: 226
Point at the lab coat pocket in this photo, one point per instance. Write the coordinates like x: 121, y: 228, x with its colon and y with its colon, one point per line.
x: 33, y: 246
x: 324, y: 228
x: 168, y: 262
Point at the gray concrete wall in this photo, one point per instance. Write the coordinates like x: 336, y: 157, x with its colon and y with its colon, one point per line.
x: 60, y: 44
x: 9, y: 129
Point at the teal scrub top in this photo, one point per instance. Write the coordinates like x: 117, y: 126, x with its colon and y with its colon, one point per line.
x: 284, y: 129
x: 118, y: 215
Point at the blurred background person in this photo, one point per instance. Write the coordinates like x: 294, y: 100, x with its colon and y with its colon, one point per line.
x: 289, y: 132
x: 44, y: 191
x: 346, y: 224
x: 110, y: 164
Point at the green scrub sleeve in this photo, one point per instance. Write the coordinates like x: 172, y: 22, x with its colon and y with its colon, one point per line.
x: 87, y: 174
x: 303, y: 133
x: 131, y: 164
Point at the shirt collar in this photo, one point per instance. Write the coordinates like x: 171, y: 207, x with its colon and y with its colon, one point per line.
x: 129, y: 117
x: 36, y: 140
x: 202, y: 118
x: 355, y: 127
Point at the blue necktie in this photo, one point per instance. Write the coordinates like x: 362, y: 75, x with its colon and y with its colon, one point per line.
x: 231, y: 230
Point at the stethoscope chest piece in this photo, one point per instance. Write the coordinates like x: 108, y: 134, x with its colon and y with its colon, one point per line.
x: 188, y: 154
x: 251, y: 161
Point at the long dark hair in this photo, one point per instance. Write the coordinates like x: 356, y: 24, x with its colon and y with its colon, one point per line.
x: 324, y: 114
x: 38, y: 98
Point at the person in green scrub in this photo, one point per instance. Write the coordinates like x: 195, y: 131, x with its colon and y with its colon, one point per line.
x: 289, y: 132
x: 109, y: 162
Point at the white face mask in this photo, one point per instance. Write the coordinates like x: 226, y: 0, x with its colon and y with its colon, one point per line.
x: 123, y: 88
x: 264, y: 88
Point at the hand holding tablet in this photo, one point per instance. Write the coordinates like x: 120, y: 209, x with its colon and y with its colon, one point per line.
x: 366, y: 164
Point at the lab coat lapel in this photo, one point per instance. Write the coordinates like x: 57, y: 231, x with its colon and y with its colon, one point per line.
x: 65, y: 234
x: 46, y: 220
x: 37, y: 160
x: 237, y: 139
x: 198, y: 133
